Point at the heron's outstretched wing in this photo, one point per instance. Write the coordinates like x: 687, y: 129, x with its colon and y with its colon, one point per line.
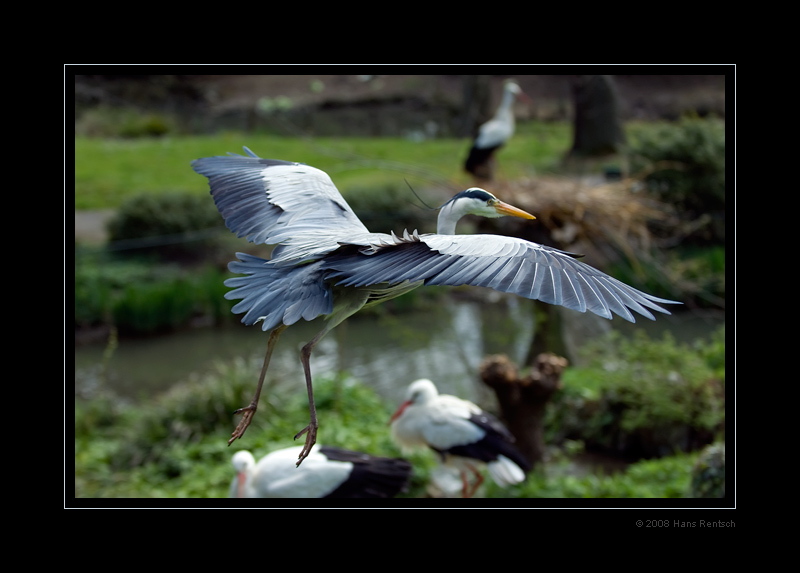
x: 271, y: 201
x: 502, y: 263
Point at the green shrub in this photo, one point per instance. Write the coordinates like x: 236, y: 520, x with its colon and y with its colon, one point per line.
x: 708, y: 473
x: 148, y: 308
x: 140, y: 298
x: 386, y: 207
x: 351, y: 415
x: 162, y: 219
x: 106, y: 121
x: 685, y: 162
x: 641, y: 397
x: 667, y: 477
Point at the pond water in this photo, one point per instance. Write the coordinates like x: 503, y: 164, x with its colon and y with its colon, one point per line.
x: 445, y: 343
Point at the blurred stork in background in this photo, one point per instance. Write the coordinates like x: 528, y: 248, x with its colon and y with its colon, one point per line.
x: 466, y: 437
x: 493, y: 134
x: 328, y: 472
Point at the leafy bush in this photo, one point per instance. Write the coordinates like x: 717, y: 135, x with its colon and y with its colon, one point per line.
x: 105, y: 121
x: 708, y: 473
x: 686, y: 165
x: 667, y: 477
x: 385, y: 207
x: 642, y: 398
x: 163, y: 218
x: 194, y: 414
x: 141, y: 298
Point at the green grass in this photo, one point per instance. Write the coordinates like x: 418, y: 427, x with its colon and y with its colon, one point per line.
x: 107, y: 171
x: 175, y: 446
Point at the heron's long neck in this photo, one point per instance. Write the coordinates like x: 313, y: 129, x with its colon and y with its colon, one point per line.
x: 449, y: 215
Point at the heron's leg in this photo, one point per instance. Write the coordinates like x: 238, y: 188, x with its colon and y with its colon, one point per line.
x: 248, y: 411
x: 347, y: 301
x: 311, y: 430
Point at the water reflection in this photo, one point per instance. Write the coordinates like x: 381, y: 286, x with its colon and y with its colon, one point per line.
x: 445, y: 343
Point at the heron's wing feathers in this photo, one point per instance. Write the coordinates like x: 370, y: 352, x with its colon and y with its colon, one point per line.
x: 270, y: 201
x: 502, y: 263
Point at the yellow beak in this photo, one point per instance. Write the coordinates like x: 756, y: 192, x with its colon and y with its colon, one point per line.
x: 506, y: 209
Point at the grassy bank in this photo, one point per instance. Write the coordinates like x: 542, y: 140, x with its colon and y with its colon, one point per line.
x: 107, y: 171
x: 176, y: 446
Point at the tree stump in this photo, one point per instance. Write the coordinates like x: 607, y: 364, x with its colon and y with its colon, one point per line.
x: 523, y: 400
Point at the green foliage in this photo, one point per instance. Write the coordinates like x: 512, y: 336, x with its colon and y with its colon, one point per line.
x: 163, y: 216
x: 148, y: 308
x: 700, y: 272
x: 104, y: 121
x: 141, y: 298
x: 667, y: 477
x: 387, y: 207
x: 708, y: 473
x: 685, y: 162
x: 690, y: 273
x: 642, y: 397
x: 176, y: 445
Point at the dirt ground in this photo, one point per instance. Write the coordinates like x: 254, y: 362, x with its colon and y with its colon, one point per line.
x: 90, y: 226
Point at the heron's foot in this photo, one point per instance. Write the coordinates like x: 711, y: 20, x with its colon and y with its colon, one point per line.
x: 311, y: 438
x: 247, y: 416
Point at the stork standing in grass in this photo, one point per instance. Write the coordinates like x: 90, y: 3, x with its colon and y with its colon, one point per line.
x: 328, y: 263
x: 493, y: 134
x: 466, y: 437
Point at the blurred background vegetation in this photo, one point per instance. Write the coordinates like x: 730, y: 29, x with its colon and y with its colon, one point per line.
x: 161, y: 261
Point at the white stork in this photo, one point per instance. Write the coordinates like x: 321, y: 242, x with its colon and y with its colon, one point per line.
x: 465, y: 436
x: 493, y: 134
x: 327, y: 472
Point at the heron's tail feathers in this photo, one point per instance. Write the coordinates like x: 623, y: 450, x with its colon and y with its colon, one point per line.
x: 277, y: 294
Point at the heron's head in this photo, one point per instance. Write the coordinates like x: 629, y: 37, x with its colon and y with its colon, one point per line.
x: 477, y: 201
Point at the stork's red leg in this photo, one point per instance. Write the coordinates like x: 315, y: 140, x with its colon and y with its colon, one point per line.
x: 478, y: 481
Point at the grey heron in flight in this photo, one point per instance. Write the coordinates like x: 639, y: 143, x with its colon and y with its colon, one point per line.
x: 326, y: 262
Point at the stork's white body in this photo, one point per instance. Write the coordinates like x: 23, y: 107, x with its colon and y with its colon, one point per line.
x: 493, y: 134
x: 326, y: 472
x: 465, y: 436
x: 500, y: 128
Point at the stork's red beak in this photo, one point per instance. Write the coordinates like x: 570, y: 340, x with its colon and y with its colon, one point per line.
x: 399, y: 412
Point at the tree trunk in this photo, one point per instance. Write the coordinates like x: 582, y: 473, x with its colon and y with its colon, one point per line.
x: 548, y: 332
x: 597, y: 125
x: 523, y: 400
x: 477, y: 98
